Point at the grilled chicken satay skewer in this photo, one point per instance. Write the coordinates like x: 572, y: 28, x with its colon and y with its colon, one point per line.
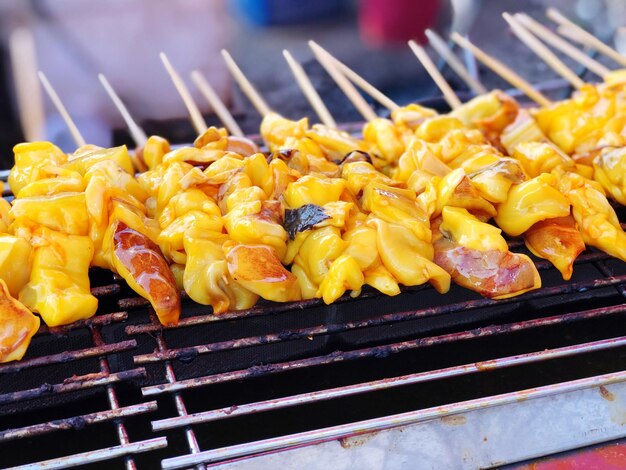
x: 561, y: 44
x: 309, y: 91
x: 216, y: 103
x: 440, y: 46
x: 502, y: 70
x: 79, y: 140
x: 542, y: 51
x: 360, y: 81
x: 353, y: 95
x: 430, y: 67
x: 194, y: 113
x: 573, y: 31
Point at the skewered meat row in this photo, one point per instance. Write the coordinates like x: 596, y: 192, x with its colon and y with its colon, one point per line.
x: 322, y: 214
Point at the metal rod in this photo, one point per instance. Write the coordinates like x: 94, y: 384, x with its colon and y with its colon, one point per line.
x: 181, y: 408
x: 67, y: 356
x: 383, y: 384
x: 72, y: 384
x: 386, y: 422
x: 77, y: 422
x: 99, y: 455
x: 114, y: 403
x: 311, y: 303
x: 98, y: 320
x: 191, y: 351
x: 380, y: 351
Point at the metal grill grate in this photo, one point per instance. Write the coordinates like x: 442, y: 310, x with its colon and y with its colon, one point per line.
x: 119, y: 390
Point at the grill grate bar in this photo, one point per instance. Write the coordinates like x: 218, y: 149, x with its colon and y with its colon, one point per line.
x: 104, y: 291
x: 77, y: 422
x: 192, y: 351
x: 99, y: 455
x: 97, y: 320
x: 67, y: 356
x: 287, y: 307
x: 72, y: 384
x: 386, y: 422
x: 380, y: 351
x: 112, y: 397
x: 181, y: 408
x: 329, y: 394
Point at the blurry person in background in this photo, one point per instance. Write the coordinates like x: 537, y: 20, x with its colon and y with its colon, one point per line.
x: 77, y: 39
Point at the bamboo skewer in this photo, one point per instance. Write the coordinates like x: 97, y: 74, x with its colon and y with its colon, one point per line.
x: 353, y: 95
x: 441, y: 82
x: 453, y: 61
x: 58, y: 104
x: 136, y: 132
x: 573, y: 31
x: 194, y: 113
x: 309, y: 91
x: 542, y: 51
x: 502, y: 70
x: 216, y: 103
x: 28, y: 93
x: 246, y: 87
x: 561, y: 44
x: 362, y: 83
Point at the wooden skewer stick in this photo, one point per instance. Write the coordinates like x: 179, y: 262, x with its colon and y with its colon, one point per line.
x: 561, y: 44
x: 136, y: 132
x: 58, y: 104
x: 502, y: 70
x: 353, y: 95
x: 363, y: 84
x: 542, y: 51
x: 439, y: 45
x: 216, y: 103
x: 309, y: 91
x: 27, y: 91
x: 441, y: 82
x: 578, y: 34
x: 194, y: 113
x: 257, y: 101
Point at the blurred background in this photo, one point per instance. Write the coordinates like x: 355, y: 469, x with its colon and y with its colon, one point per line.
x: 74, y: 40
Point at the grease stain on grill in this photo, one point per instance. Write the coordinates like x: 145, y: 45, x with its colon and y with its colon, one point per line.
x: 187, y: 356
x: 455, y: 420
x: 356, y: 441
x: 604, y: 393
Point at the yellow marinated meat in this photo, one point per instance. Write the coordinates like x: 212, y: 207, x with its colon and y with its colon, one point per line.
x: 610, y: 171
x: 29, y: 157
x: 334, y: 143
x: 540, y: 157
x: 153, y: 151
x: 313, y: 190
x: 58, y: 288
x: 343, y: 274
x: 15, y: 262
x: 276, y: 129
x: 18, y: 325
x: 258, y: 269
x: 477, y: 257
x: 406, y: 257
x: 65, y: 212
x: 383, y: 139
x: 530, y: 202
x: 596, y: 219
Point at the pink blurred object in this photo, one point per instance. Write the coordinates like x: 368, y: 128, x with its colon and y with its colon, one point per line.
x: 396, y: 21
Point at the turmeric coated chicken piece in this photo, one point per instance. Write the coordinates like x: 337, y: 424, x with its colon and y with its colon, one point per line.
x: 557, y: 240
x: 478, y: 258
x: 18, y: 325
